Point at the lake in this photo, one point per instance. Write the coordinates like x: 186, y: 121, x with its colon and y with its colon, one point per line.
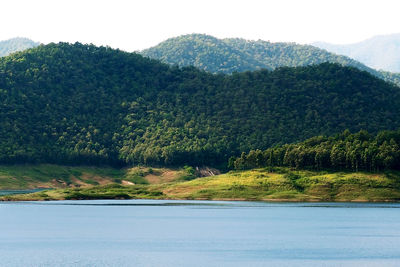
x: 198, y: 233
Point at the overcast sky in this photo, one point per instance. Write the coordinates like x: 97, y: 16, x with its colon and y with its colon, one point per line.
x: 135, y: 25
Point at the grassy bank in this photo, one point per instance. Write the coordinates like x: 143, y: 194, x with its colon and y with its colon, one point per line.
x: 16, y: 177
x: 281, y: 184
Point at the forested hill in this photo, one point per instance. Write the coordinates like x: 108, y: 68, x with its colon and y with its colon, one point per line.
x: 238, y: 55
x: 15, y: 44
x: 82, y: 104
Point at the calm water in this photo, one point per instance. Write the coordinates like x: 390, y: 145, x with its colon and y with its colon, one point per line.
x: 198, y: 233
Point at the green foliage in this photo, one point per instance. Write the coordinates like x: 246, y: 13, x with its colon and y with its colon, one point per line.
x: 136, y: 176
x: 237, y: 55
x: 204, y: 52
x: 82, y: 104
x: 189, y: 173
x: 359, y: 151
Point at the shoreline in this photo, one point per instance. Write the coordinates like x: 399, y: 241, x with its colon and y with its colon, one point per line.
x: 282, y: 185
x: 282, y: 200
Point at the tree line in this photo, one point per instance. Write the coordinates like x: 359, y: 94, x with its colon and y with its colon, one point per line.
x: 345, y: 151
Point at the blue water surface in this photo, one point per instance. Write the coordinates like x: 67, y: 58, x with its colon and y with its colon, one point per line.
x: 198, y: 233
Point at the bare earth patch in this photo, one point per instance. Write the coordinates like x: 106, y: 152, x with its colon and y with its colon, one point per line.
x: 182, y: 191
x: 100, y: 179
x: 165, y: 177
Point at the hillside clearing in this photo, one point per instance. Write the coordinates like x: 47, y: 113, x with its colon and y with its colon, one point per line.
x: 279, y: 184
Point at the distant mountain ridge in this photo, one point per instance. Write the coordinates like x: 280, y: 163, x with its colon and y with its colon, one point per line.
x: 82, y: 104
x: 380, y: 52
x: 15, y: 44
x: 204, y: 52
x: 237, y: 55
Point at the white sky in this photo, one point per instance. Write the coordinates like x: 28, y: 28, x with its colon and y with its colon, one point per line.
x: 135, y: 25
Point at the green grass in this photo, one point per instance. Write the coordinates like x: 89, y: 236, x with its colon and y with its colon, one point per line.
x: 54, y: 176
x: 278, y: 184
x: 17, y: 177
x: 57, y: 176
x: 284, y: 184
x: 137, y: 175
x: 110, y: 191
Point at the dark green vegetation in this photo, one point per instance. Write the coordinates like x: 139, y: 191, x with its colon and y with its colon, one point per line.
x: 379, y: 52
x: 274, y: 184
x: 238, y: 55
x: 14, y: 45
x: 112, y: 191
x: 345, y: 151
x: 80, y: 104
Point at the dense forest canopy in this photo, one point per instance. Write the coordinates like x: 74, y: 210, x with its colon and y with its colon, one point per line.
x: 82, y: 104
x: 345, y: 151
x: 237, y: 55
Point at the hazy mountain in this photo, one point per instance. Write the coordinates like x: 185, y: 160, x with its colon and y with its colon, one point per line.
x: 15, y: 44
x: 204, y: 52
x: 81, y: 104
x: 379, y: 52
x: 238, y: 55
